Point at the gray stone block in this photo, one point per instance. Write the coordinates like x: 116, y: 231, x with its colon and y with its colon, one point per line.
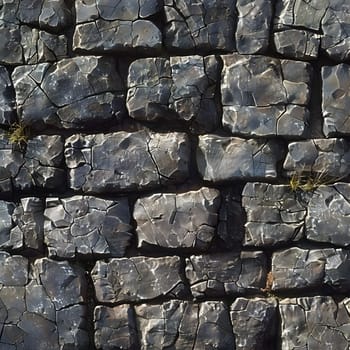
x: 226, y: 274
x: 263, y: 96
x: 86, y: 225
x: 125, y: 161
x: 274, y: 215
x: 186, y: 220
x: 314, y: 323
x: 7, y: 98
x: 254, y: 323
x: 231, y: 158
x: 184, y: 325
x: 95, y: 92
x: 253, y: 26
x: 336, y: 99
x: 204, y: 25
x: 137, y: 279
x: 180, y: 88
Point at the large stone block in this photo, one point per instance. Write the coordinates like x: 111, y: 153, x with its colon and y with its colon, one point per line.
x: 263, y: 96
x: 138, y: 278
x: 186, y: 220
x: 203, y: 26
x: 124, y: 161
x: 315, y: 323
x: 87, y: 225
x: 95, y: 92
x: 184, y: 325
x: 116, y: 25
x: 220, y: 275
x: 180, y: 88
x: 231, y: 158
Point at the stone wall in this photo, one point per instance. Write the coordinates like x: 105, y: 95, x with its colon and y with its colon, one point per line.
x: 174, y: 174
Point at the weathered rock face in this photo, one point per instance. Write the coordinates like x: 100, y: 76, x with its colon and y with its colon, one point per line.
x: 108, y: 26
x: 125, y: 161
x: 86, y: 225
x: 7, y: 98
x: 95, y: 92
x: 264, y: 96
x: 171, y: 220
x: 179, y: 88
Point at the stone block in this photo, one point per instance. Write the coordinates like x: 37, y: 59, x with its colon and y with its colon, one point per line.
x: 85, y: 225
x: 7, y: 98
x: 186, y: 220
x: 124, y: 161
x: 263, y: 96
x: 137, y: 279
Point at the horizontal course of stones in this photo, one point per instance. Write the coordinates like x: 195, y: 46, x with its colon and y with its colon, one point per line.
x: 184, y: 184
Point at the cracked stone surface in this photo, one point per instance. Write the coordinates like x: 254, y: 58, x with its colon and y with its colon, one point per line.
x: 115, y: 327
x: 203, y: 25
x: 231, y: 158
x: 137, y: 279
x: 265, y: 96
x: 186, y: 220
x: 180, y: 88
x: 95, y: 92
x: 116, y: 26
x: 253, y: 26
x: 315, y: 323
x: 274, y: 216
x: 7, y: 98
x: 86, y: 225
x: 220, y: 275
x: 327, y: 157
x: 184, y: 325
x: 38, y: 166
x: 336, y: 99
x: 254, y: 323
x: 124, y: 161
x: 297, y: 268
x: 42, y: 307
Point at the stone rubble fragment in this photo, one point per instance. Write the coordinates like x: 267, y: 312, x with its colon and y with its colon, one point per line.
x: 186, y: 220
x: 124, y: 161
x: 86, y: 225
x: 116, y: 26
x: 231, y: 158
x: 315, y: 323
x: 95, y: 92
x: 137, y: 279
x: 184, y: 325
x: 179, y: 88
x: 254, y: 323
x: 203, y: 25
x: 226, y: 274
x: 265, y: 96
x: 274, y: 216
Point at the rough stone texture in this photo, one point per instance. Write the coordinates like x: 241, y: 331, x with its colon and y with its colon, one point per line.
x: 137, y: 279
x: 182, y: 88
x: 253, y: 27
x: 315, y: 323
x: 7, y: 98
x: 220, y: 275
x: 126, y: 161
x: 232, y: 158
x: 297, y: 268
x: 95, y: 92
x: 254, y: 323
x: 186, y: 220
x: 87, y: 225
x: 185, y: 325
x: 264, y: 96
x: 336, y: 99
x: 115, y: 327
x: 326, y: 157
x: 116, y: 26
x: 274, y: 216
x: 203, y: 25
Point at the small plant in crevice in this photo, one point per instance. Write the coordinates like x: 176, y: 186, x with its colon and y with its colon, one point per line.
x: 18, y: 134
